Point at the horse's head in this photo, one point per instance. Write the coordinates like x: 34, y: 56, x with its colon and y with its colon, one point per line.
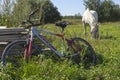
x: 95, y: 31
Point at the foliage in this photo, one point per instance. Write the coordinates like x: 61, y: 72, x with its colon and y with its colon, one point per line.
x: 109, y: 11
x: 20, y: 12
x: 72, y: 17
x: 92, y: 4
x: 13, y: 15
x: 50, y: 13
x: 6, y: 11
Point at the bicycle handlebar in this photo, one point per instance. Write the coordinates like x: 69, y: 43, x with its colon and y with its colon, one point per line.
x: 29, y: 20
x: 32, y: 13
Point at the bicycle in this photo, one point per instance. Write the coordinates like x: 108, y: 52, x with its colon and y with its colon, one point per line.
x: 78, y: 49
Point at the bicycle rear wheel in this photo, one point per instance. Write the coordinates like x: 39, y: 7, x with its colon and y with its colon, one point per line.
x: 13, y: 53
x: 81, y: 51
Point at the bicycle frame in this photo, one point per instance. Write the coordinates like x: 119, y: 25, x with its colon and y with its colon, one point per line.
x: 35, y: 32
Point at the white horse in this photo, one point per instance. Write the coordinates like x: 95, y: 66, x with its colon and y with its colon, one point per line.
x: 91, y: 17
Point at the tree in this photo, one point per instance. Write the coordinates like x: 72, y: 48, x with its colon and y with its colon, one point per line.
x: 92, y: 4
x: 47, y: 12
x: 20, y: 11
x: 109, y: 11
x: 105, y: 9
x: 50, y: 12
x: 115, y: 13
x: 6, y: 7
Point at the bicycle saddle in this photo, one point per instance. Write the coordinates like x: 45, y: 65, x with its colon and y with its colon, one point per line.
x: 61, y: 24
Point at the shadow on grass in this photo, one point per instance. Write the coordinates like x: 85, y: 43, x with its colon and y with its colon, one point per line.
x: 76, y: 60
x: 99, y: 59
x: 108, y: 37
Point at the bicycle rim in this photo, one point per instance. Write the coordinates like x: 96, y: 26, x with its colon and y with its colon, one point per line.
x: 81, y: 52
x: 14, y: 52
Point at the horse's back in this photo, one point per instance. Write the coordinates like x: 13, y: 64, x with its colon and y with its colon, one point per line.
x: 94, y: 13
x: 90, y: 16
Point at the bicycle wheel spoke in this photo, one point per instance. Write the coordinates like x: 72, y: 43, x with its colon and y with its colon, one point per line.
x: 14, y: 52
x: 81, y: 52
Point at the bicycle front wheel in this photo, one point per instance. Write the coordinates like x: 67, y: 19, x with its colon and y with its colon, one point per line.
x: 14, y: 52
x: 81, y: 51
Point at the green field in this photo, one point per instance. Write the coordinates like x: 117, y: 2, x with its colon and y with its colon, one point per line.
x: 107, y: 49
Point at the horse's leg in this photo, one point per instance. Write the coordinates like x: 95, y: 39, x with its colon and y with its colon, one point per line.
x: 97, y: 33
x: 91, y: 31
x: 84, y: 29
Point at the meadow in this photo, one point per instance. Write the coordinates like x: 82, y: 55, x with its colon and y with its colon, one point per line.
x: 107, y: 49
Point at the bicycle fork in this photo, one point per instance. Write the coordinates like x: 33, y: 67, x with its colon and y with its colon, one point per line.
x: 28, y: 50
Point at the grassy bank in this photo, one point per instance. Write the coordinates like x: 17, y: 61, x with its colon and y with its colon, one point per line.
x: 107, y: 49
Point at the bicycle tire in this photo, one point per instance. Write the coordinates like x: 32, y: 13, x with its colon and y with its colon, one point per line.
x: 81, y: 52
x: 15, y: 51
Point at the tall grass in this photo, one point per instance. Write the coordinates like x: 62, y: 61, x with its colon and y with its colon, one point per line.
x: 107, y: 49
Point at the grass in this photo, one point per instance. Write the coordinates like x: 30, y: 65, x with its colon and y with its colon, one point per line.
x: 107, y: 49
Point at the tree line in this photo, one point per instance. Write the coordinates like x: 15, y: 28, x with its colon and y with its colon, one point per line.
x: 14, y: 11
